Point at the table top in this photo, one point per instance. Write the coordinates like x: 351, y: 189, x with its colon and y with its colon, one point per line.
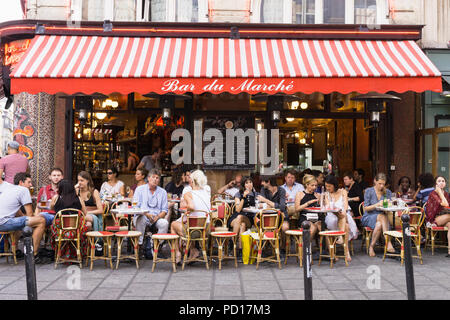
x: 226, y: 200
x: 320, y: 210
x: 130, y: 211
x: 391, y: 208
x: 174, y: 200
x: 255, y: 210
x: 112, y: 200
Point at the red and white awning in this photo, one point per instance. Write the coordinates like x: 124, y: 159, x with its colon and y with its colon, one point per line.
x: 89, y: 64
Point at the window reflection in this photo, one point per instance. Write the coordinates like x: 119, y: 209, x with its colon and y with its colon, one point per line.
x: 365, y: 11
x: 303, y: 11
x: 334, y: 11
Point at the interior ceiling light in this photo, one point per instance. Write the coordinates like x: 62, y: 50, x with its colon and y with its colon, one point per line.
x: 294, y: 105
x: 110, y: 103
x: 101, y: 115
x: 304, y: 105
x: 302, y: 140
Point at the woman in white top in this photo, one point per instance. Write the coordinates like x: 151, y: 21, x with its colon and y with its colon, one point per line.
x: 342, y: 221
x: 113, y: 185
x: 196, y: 201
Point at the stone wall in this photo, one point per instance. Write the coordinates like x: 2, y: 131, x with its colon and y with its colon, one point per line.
x: 34, y: 123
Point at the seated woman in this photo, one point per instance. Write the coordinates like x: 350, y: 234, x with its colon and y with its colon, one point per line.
x: 372, y: 218
x: 113, y: 185
x: 196, y: 199
x: 139, y: 176
x: 66, y: 198
x: 404, y: 188
x: 305, y: 199
x: 438, y: 199
x: 240, y: 220
x: 91, y: 199
x: 342, y: 221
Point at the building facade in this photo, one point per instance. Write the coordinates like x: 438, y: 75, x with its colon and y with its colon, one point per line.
x: 396, y: 136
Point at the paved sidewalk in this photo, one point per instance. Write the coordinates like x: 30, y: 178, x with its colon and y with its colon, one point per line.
x: 432, y: 281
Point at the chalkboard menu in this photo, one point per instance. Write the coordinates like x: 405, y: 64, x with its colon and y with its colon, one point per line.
x: 240, y: 156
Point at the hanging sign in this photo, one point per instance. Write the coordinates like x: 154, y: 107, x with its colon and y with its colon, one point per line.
x: 13, y: 51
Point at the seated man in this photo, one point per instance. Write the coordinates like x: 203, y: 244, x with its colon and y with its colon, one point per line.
x: 153, y: 198
x: 12, y: 198
x: 275, y: 197
x: 291, y: 187
x: 232, y: 187
x: 47, y: 193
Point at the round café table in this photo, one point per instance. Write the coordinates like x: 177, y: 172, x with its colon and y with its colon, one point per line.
x: 129, y: 212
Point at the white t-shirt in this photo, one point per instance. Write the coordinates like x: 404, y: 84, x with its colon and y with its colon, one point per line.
x: 12, y: 197
x: 106, y: 187
x: 232, y: 191
x: 297, y: 187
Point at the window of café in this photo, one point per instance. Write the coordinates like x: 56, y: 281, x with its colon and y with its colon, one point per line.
x: 365, y: 11
x: 303, y: 11
x: 271, y: 11
x: 186, y: 11
x: 334, y: 11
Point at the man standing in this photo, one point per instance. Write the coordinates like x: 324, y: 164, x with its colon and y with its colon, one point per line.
x: 232, y: 187
x: 13, y: 163
x: 12, y: 198
x: 151, y: 161
x: 47, y: 192
x: 291, y: 187
x: 152, y: 198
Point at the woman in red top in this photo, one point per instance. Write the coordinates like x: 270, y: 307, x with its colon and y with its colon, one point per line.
x: 437, y: 200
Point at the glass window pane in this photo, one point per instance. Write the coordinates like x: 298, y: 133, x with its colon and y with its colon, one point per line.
x: 334, y: 11
x: 271, y: 11
x: 365, y: 11
x: 187, y: 11
x: 303, y: 11
x: 158, y: 10
x: 443, y: 167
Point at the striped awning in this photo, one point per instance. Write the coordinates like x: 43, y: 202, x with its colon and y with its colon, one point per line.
x: 89, y: 64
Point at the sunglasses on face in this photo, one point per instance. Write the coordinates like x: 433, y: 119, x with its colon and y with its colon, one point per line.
x: 109, y: 172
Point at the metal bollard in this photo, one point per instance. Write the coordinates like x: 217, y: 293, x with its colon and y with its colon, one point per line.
x: 307, y: 272
x: 410, y: 288
x: 30, y: 270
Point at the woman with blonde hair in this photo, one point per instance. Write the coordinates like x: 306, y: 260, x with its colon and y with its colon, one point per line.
x: 196, y: 202
x: 305, y: 199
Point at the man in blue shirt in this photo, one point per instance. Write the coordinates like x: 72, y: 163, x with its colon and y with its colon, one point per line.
x: 152, y: 198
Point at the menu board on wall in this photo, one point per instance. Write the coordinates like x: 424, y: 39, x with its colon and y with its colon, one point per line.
x: 240, y: 156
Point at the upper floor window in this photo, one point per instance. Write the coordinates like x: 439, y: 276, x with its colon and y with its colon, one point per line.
x: 271, y: 11
x: 303, y: 11
x: 186, y: 11
x: 365, y: 11
x: 334, y: 11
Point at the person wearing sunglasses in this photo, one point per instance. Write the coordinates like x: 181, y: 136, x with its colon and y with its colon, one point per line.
x: 113, y: 185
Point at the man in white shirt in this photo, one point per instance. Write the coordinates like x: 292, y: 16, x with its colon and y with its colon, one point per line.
x: 152, y: 198
x: 291, y: 187
x: 12, y: 198
x: 232, y: 188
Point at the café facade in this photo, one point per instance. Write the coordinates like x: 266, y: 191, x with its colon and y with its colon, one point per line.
x: 85, y: 96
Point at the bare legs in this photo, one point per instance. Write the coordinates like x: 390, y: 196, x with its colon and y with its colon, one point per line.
x: 444, y: 221
x: 239, y: 225
x: 381, y: 226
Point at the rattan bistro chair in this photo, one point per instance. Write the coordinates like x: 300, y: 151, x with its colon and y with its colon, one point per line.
x: 220, y: 212
x: 298, y: 238
x: 120, y: 221
x: 9, y: 241
x: 417, y: 217
x: 195, y: 230
x: 68, y: 223
x: 268, y: 222
x: 435, y: 236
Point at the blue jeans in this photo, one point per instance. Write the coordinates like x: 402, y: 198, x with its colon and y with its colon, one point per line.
x: 14, y: 224
x: 48, y: 218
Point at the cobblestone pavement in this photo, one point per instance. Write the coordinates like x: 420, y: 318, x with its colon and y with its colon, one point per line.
x: 432, y: 280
